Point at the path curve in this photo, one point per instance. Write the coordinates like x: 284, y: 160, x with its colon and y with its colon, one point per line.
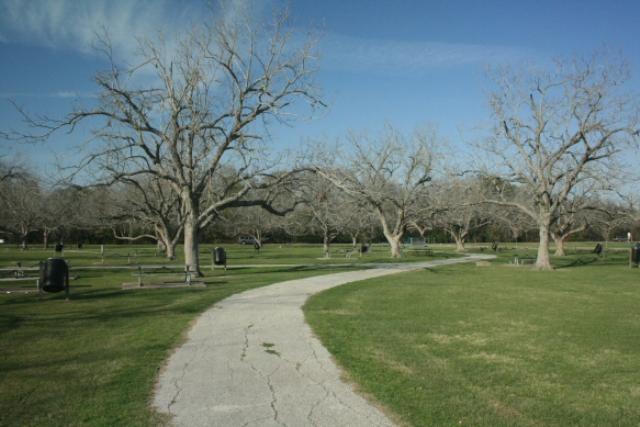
x: 252, y: 360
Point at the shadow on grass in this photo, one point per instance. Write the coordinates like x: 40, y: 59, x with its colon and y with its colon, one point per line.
x: 71, y: 313
x: 81, y: 358
x: 577, y: 262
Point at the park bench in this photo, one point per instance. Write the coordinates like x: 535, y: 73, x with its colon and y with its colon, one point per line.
x: 523, y: 260
x: 417, y: 246
x: 424, y: 250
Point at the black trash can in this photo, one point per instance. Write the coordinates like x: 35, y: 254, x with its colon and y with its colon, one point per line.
x: 219, y: 256
x: 634, y: 256
x: 54, y: 275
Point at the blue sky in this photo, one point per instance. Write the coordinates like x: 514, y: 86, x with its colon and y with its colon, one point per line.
x: 408, y: 63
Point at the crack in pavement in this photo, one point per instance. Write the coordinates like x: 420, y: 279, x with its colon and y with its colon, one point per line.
x: 177, y: 383
x: 222, y: 376
x: 243, y: 355
x: 274, y: 398
x: 266, y: 378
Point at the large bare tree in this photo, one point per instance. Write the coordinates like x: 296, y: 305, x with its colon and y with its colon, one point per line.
x: 607, y: 217
x: 150, y: 202
x: 358, y: 222
x: 459, y: 208
x: 323, y: 209
x: 387, y: 174
x: 557, y: 130
x: 20, y: 206
x: 198, y: 122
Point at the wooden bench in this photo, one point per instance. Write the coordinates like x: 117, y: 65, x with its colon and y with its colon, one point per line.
x: 523, y: 261
x: 424, y: 249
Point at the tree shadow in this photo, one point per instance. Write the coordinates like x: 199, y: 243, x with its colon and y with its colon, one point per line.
x: 578, y: 262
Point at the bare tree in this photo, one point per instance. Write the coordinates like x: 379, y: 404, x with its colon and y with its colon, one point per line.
x: 556, y: 130
x: 460, y: 209
x: 516, y: 221
x: 387, y: 174
x: 260, y: 221
x: 571, y: 218
x: 606, y: 217
x: 20, y: 206
x: 198, y: 124
x: 424, y: 217
x: 9, y: 171
x: 62, y: 208
x: 254, y: 222
x: 151, y: 202
x: 358, y: 222
x: 324, y: 207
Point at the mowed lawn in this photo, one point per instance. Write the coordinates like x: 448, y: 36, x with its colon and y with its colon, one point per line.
x: 94, y: 360
x: 271, y: 253
x: 493, y: 346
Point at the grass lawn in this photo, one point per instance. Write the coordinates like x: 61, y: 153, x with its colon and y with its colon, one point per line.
x: 126, y: 254
x: 94, y: 360
x: 493, y: 346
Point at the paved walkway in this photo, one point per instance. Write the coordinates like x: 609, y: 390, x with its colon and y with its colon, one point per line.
x: 252, y: 360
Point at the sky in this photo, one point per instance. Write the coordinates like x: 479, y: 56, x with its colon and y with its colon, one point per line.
x: 406, y: 63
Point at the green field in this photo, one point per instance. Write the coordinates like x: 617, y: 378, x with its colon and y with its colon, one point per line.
x: 93, y: 360
x: 494, y: 346
x: 133, y: 255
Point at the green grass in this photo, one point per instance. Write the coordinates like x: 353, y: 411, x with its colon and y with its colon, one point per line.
x: 493, y: 346
x: 236, y: 254
x: 94, y: 360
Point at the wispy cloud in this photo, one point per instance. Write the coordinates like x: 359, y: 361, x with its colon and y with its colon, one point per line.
x: 73, y: 25
x: 357, y: 54
x: 61, y: 94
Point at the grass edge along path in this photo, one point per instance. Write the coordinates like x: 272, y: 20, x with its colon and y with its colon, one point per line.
x: 94, y: 360
x: 493, y: 346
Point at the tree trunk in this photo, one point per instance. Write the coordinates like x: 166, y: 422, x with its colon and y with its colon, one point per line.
x: 23, y: 238
x: 325, y: 246
x: 459, y: 243
x: 458, y: 237
x: 393, y: 236
x: 45, y: 238
x: 559, y: 241
x: 394, y: 243
x: 170, y: 251
x: 354, y: 241
x: 191, y: 244
x: 543, y: 262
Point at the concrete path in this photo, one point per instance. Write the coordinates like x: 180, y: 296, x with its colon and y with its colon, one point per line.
x: 251, y: 360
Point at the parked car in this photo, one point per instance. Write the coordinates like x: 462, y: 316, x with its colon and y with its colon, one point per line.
x: 246, y: 240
